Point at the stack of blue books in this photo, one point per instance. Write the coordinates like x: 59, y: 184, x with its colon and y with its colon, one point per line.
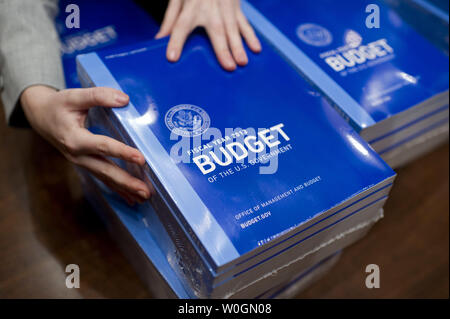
x: 257, y: 178
x: 384, y: 78
x: 151, y: 263
x: 120, y: 23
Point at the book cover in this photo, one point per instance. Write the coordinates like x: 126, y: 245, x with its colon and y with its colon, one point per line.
x: 240, y: 158
x: 369, y: 73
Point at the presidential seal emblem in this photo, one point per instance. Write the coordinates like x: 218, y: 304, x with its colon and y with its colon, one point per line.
x: 353, y: 39
x: 314, y: 34
x: 187, y: 120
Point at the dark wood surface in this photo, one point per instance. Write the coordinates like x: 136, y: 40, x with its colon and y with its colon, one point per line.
x: 45, y: 224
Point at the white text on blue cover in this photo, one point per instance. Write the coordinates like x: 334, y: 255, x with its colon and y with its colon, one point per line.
x: 207, y: 163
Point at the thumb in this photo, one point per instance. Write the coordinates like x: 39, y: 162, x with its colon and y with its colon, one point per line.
x: 96, y: 96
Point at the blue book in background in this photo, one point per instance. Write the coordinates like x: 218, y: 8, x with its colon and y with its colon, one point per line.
x: 103, y: 24
x: 428, y: 17
x: 389, y: 83
x: 251, y: 168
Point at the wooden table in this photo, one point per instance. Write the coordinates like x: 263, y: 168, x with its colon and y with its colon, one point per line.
x: 45, y: 224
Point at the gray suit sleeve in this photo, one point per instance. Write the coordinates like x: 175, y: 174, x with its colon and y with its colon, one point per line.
x: 29, y: 51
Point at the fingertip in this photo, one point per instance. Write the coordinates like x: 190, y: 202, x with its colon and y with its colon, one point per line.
x: 230, y: 67
x: 139, y: 159
x: 172, y: 55
x: 257, y: 50
x: 242, y: 59
x: 228, y: 63
x: 159, y: 35
x: 143, y: 191
x: 121, y: 98
x: 139, y: 189
x: 144, y: 195
x: 256, y: 46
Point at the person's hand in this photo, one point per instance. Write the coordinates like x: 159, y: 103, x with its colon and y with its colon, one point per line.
x: 224, y: 22
x: 60, y: 117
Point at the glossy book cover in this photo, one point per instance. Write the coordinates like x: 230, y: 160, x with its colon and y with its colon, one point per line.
x: 370, y: 73
x: 240, y: 158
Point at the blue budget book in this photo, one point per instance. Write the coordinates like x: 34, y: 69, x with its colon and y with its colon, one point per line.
x: 381, y: 80
x: 240, y: 161
x: 103, y: 23
x: 428, y: 17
